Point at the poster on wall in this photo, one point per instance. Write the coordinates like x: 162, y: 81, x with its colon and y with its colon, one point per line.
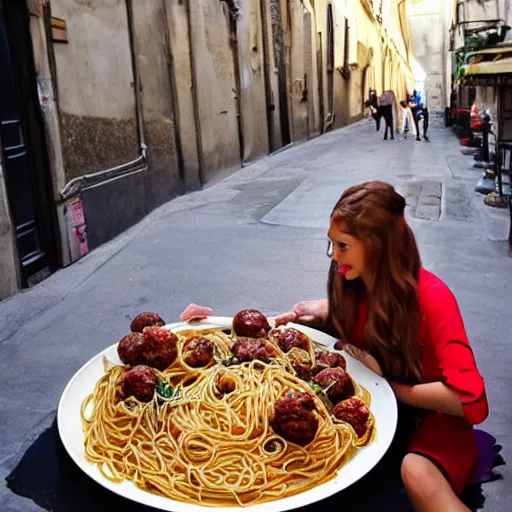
x: 76, y: 228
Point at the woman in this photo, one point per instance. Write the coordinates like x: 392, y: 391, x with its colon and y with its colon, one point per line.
x: 406, y: 119
x: 387, y: 103
x: 404, y: 323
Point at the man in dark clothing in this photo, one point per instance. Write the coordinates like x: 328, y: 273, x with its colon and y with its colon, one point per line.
x: 419, y: 112
x: 373, y: 105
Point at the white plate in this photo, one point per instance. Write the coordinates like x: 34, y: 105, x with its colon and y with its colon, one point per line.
x: 383, y: 407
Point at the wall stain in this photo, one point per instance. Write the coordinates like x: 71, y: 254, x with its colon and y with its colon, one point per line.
x: 92, y: 144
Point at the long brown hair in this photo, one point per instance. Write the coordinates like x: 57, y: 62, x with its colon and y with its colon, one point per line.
x: 373, y: 212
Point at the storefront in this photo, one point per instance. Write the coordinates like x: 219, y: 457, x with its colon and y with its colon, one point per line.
x: 488, y: 69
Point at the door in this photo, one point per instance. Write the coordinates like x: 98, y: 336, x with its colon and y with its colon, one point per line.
x: 20, y: 162
x: 308, y: 70
x: 330, y: 63
x: 281, y: 67
x: 320, y: 80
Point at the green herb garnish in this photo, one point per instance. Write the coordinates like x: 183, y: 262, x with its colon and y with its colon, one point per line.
x: 164, y: 389
x: 316, y: 388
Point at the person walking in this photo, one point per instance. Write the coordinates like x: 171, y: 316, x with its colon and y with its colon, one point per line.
x: 420, y: 113
x: 407, y: 123
x: 373, y: 104
x: 386, y: 104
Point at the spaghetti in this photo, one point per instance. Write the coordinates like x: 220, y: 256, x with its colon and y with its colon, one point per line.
x: 212, y: 448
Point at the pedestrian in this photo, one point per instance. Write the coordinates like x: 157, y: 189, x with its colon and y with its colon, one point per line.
x: 402, y: 322
x: 420, y: 113
x: 406, y: 119
x: 372, y: 103
x: 386, y: 104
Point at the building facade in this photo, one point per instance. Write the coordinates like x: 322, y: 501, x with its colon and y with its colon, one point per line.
x: 430, y: 22
x: 109, y: 108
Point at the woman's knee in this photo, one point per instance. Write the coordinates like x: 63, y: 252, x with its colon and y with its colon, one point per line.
x: 418, y: 473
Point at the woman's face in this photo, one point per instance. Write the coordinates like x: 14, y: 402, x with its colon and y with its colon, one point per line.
x: 348, y: 252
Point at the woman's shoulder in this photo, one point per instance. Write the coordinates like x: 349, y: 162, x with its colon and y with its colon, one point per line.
x: 434, y: 294
x: 440, y: 311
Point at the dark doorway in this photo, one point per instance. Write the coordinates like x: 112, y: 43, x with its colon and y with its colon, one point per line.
x: 279, y: 60
x: 330, y: 60
x: 23, y: 147
x: 320, y: 72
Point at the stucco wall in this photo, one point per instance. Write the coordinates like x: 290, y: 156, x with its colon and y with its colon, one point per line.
x: 252, y: 81
x: 152, y: 49
x: 275, y: 66
x: 94, y: 76
x: 428, y: 43
x: 45, y: 82
x: 180, y: 49
x: 297, y: 82
x: 216, y: 87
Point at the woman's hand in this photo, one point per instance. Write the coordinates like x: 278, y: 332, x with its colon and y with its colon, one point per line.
x: 193, y: 312
x: 307, y: 312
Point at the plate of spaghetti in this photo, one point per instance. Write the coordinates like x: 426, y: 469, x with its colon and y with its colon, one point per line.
x: 227, y: 412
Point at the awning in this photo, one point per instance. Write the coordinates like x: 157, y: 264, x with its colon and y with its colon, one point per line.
x: 496, y: 51
x: 488, y: 72
x: 498, y: 67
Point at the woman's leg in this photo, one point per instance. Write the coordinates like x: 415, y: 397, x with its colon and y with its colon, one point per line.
x: 376, y: 117
x: 425, y: 124
x: 386, y: 119
x: 415, y: 112
x: 427, y: 488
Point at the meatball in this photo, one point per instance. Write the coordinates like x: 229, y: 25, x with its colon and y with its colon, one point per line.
x: 198, y: 352
x: 145, y: 320
x: 247, y: 349
x: 301, y: 363
x: 159, y: 348
x: 336, y: 383
x: 250, y: 323
x: 140, y: 382
x: 353, y: 411
x: 325, y: 359
x: 290, y: 338
x: 130, y: 348
x: 294, y: 418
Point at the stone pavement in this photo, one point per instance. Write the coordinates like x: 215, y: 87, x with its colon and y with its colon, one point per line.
x: 257, y: 239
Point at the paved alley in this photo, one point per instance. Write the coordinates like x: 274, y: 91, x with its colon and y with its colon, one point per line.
x: 257, y: 239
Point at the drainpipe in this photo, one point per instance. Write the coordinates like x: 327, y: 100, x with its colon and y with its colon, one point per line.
x: 76, y: 185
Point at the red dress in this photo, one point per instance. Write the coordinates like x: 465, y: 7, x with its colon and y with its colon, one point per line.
x: 448, y: 441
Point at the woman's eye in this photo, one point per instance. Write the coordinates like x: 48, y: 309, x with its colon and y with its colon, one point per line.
x: 342, y: 245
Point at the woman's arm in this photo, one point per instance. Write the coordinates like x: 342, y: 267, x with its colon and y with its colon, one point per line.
x: 312, y: 312
x: 434, y: 396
